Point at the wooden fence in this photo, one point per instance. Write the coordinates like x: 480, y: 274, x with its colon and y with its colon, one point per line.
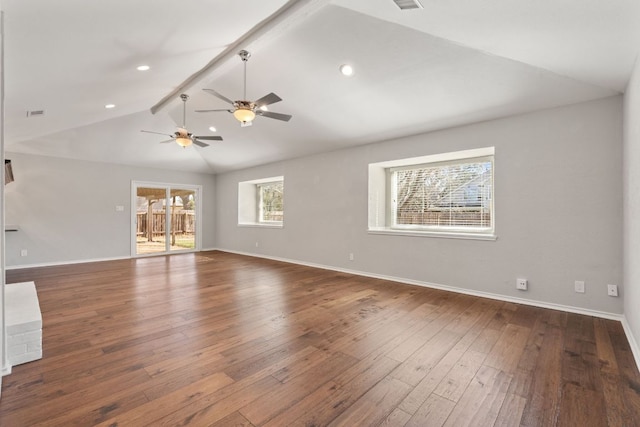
x: 182, y: 222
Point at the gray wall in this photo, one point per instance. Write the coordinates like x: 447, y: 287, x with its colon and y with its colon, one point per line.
x: 558, y: 193
x: 66, y: 208
x: 558, y: 209
x: 632, y: 204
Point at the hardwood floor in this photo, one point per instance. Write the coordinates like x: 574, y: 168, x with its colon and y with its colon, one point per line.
x: 217, y: 339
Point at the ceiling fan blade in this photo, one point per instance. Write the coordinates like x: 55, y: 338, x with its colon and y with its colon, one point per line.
x: 199, y: 143
x: 157, y: 133
x: 213, y: 111
x: 209, y: 138
x: 271, y: 98
x: 216, y: 94
x: 272, y: 115
x: 168, y: 140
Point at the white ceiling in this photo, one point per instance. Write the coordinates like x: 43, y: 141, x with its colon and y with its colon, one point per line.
x: 449, y: 64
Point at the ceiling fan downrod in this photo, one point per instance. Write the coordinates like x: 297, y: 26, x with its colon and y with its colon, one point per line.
x: 244, y: 55
x: 184, y: 98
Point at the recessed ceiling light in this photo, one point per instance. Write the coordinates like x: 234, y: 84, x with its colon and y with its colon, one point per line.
x: 264, y: 108
x: 110, y: 106
x: 143, y: 68
x: 346, y: 69
x: 212, y: 129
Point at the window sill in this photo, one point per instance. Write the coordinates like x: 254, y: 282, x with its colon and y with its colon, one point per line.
x: 437, y: 234
x: 260, y: 225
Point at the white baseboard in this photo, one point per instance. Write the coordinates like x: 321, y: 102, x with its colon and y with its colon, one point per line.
x: 541, y: 304
x: 83, y: 261
x: 53, y: 264
x: 6, y: 370
x: 635, y: 349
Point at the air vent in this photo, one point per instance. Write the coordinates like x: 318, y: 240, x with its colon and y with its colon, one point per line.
x: 408, y: 4
x: 34, y: 113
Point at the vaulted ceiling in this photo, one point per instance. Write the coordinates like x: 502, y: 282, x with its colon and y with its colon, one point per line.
x: 448, y: 64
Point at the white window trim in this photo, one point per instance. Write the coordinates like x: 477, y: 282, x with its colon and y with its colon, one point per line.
x: 248, y: 203
x: 380, y: 190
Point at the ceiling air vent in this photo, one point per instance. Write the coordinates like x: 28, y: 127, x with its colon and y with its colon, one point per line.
x: 35, y: 113
x: 408, y: 4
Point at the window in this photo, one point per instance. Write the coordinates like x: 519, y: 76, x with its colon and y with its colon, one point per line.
x: 448, y: 195
x: 261, y: 202
x: 270, y: 204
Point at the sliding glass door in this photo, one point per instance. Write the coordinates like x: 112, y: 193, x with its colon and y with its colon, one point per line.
x: 165, y: 218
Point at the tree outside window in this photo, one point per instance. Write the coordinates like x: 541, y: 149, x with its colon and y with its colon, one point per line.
x: 453, y: 195
x: 271, y: 202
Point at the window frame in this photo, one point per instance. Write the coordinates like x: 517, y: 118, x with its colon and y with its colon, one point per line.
x: 382, y: 218
x: 249, y: 203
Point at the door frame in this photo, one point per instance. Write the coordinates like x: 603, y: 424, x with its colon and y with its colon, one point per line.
x: 167, y: 187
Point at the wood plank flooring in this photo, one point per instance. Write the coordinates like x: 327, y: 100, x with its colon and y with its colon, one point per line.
x: 217, y: 339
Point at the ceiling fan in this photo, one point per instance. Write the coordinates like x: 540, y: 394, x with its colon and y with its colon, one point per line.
x: 245, y: 111
x: 182, y: 136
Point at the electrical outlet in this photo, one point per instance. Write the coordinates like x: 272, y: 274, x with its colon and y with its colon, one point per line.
x: 612, y: 290
x: 23, y: 252
x: 521, y: 284
x: 257, y: 244
x: 351, y: 256
x: 579, y: 286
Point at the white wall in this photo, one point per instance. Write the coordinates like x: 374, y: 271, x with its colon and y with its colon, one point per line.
x: 631, y: 171
x: 66, y: 208
x: 558, y: 192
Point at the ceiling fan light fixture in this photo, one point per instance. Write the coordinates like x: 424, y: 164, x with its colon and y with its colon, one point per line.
x: 244, y: 114
x: 184, y: 142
